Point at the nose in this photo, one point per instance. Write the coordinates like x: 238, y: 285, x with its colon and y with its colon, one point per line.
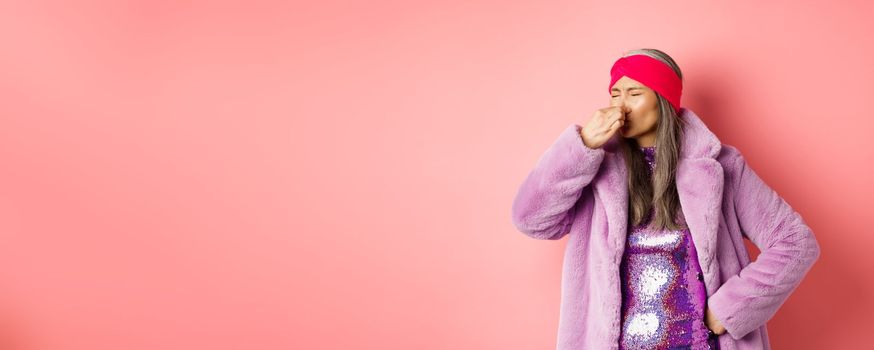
x: 620, y: 102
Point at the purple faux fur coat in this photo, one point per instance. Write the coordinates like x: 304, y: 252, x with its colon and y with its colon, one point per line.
x: 582, y: 193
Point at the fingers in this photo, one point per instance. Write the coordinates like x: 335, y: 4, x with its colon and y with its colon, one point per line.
x: 619, y: 116
x: 615, y: 126
x: 614, y: 118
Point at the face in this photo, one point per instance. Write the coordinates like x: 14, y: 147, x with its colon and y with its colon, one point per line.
x: 640, y: 123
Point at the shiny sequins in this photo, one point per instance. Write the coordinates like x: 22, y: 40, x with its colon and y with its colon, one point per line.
x: 663, y: 297
x: 643, y: 325
x: 669, y: 238
x: 652, y: 280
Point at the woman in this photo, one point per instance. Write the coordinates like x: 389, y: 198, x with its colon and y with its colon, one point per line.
x: 656, y: 219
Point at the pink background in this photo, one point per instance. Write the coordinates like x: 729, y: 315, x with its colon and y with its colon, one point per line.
x: 338, y: 175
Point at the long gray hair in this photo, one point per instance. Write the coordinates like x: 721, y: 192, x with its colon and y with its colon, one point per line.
x: 660, y: 191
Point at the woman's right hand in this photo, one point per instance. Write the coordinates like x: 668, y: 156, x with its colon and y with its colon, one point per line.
x: 602, y: 125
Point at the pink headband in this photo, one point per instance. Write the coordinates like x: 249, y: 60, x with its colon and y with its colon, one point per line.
x: 650, y: 72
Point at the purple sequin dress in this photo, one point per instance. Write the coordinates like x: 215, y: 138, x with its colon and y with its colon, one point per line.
x: 663, y: 295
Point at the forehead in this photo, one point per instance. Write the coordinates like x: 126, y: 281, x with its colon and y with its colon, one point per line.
x: 626, y: 83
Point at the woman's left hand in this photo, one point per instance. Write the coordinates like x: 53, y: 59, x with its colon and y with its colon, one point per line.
x: 713, y: 323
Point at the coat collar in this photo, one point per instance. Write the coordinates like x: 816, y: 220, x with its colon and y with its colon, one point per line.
x: 699, y: 178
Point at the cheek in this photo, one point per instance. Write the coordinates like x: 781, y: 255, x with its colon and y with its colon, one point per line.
x: 645, y: 104
x: 636, y: 107
x: 640, y: 105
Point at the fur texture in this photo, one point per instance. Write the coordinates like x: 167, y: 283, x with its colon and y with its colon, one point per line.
x: 581, y: 193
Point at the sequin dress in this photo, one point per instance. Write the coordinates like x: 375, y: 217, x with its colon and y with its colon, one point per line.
x: 663, y: 295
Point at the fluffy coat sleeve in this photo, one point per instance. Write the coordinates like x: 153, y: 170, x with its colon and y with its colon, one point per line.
x: 544, y: 205
x: 788, y: 250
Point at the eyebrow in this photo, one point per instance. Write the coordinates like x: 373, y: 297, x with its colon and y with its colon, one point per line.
x: 630, y: 88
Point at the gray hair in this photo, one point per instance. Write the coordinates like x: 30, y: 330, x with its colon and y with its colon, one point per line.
x: 660, y: 192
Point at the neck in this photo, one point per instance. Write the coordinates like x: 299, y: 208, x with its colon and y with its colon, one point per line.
x: 647, y: 140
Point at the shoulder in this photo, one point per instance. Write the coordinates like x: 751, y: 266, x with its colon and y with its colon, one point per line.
x: 732, y: 161
x: 729, y: 155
